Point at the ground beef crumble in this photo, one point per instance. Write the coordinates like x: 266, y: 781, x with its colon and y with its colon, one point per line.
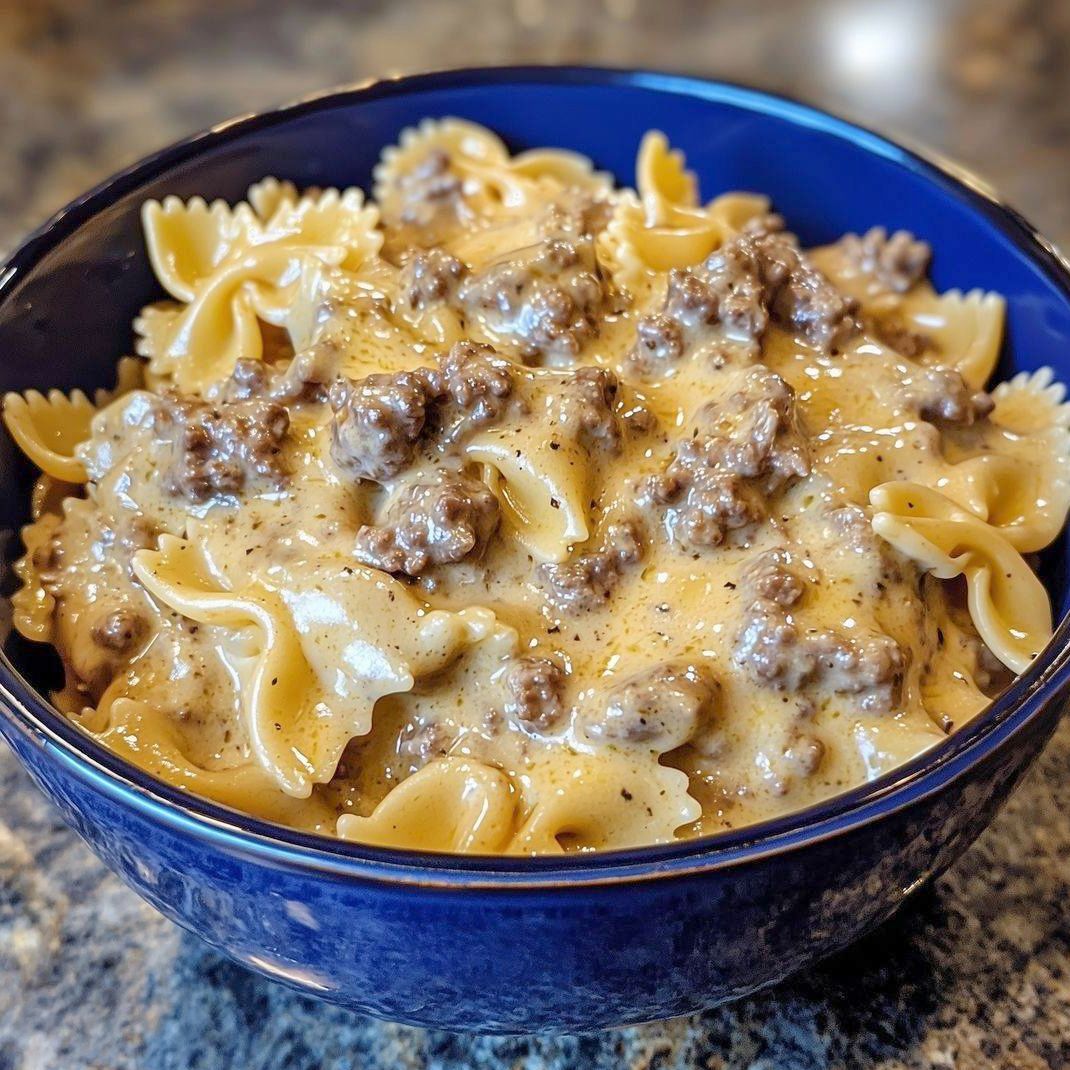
x: 430, y: 523
x: 430, y: 277
x: 740, y: 452
x: 304, y: 378
x: 853, y: 529
x: 660, y: 342
x: 588, y: 581
x: 546, y: 299
x: 941, y: 394
x: 776, y: 652
x: 535, y: 686
x: 771, y: 576
x: 803, y: 755
x: 587, y: 397
x: 428, y: 189
x: 902, y: 339
x: 377, y: 420
x: 477, y: 381
x: 250, y: 379
x: 759, y: 275
x: 898, y: 262
x: 575, y: 214
x: 662, y: 707
x: 120, y: 630
x: 215, y: 449
x: 800, y: 759
x: 422, y: 743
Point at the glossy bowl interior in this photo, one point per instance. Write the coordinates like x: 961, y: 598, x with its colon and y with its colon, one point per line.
x: 67, y: 299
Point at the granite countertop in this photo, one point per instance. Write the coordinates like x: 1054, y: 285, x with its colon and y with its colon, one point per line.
x: 974, y: 973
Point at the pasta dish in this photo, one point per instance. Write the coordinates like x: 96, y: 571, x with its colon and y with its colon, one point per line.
x: 509, y: 511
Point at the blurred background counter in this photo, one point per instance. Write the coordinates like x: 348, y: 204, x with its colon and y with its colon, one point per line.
x: 975, y: 972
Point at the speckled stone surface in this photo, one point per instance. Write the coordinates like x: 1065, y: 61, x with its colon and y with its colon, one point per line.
x: 976, y: 972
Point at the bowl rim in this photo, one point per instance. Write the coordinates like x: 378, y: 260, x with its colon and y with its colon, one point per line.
x: 40, y: 724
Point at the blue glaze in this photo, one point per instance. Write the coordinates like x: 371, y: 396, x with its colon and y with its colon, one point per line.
x: 524, y: 944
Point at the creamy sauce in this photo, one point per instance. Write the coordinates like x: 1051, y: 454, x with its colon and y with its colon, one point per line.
x: 506, y: 628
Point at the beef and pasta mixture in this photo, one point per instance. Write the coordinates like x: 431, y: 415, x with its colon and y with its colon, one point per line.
x: 510, y: 511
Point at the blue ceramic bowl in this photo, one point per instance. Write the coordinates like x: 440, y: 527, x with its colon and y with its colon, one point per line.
x: 497, y: 944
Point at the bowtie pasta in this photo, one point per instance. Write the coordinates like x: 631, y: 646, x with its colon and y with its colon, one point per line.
x: 509, y: 511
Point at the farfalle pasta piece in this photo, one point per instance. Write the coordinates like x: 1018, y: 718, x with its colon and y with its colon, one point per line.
x: 1033, y: 502
x: 662, y: 179
x: 221, y: 326
x: 298, y: 310
x: 605, y: 801
x: 950, y: 688
x: 327, y: 219
x: 573, y: 801
x: 188, y: 241
x: 887, y: 743
x: 480, y: 159
x: 277, y: 682
x: 734, y: 210
x: 532, y: 178
x: 967, y: 328
x: 33, y: 606
x: 129, y: 376
x: 458, y: 805
x: 986, y: 486
x: 266, y: 196
x: 634, y: 249
x: 49, y: 428
x: 478, y: 248
x: 314, y: 650
x: 48, y: 495
x: 1026, y: 503
x: 459, y: 139
x: 954, y: 695
x: 472, y: 153
x: 664, y: 227
x: 153, y: 327
x: 563, y: 168
x: 1020, y: 484
x: 232, y: 268
x: 542, y: 484
x: 1007, y: 601
x: 147, y: 738
x: 1032, y: 402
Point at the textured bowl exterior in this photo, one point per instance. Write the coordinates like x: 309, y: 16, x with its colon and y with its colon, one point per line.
x: 566, y: 957
x: 518, y: 945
